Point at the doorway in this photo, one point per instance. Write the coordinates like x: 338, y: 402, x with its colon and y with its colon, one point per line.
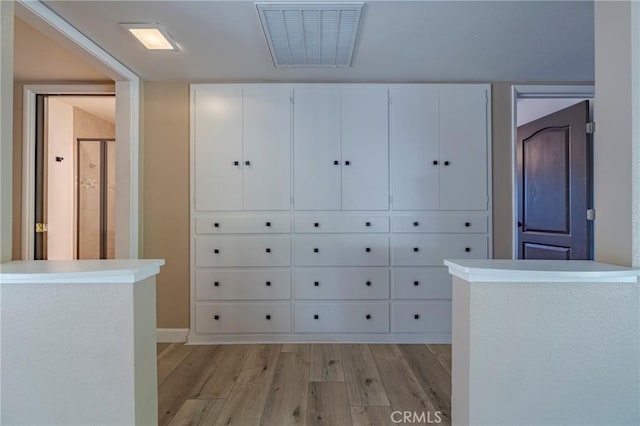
x: 552, y: 172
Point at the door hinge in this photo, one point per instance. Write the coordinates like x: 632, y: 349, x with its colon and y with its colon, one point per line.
x: 41, y: 227
x: 591, y: 127
x: 591, y: 214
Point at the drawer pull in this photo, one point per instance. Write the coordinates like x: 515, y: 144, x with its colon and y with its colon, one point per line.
x: 435, y: 162
x: 336, y: 162
x: 467, y: 224
x: 446, y: 163
x: 316, y: 316
x: 247, y: 163
x: 236, y: 163
x: 416, y: 316
x: 216, y: 251
x: 416, y: 283
x: 368, y: 283
x: 268, y: 224
x: 316, y: 224
x: 467, y: 249
x: 368, y: 249
x: 367, y: 224
x: 368, y: 316
x: 216, y: 225
x: 416, y: 249
x: 268, y: 317
x: 416, y: 223
x: 216, y: 284
x: 216, y: 317
x: 268, y: 283
x: 268, y: 250
x: 316, y: 283
x: 347, y: 163
x: 316, y: 250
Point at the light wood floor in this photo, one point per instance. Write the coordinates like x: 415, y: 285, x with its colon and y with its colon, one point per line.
x: 318, y: 384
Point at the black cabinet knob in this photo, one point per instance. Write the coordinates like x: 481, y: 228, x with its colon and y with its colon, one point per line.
x: 367, y: 224
x: 316, y: 316
x: 236, y: 163
x: 268, y: 317
x: 368, y: 316
x: 268, y: 283
x: 435, y: 162
x: 316, y: 283
x: 216, y: 225
x: 368, y: 249
x: 368, y: 283
x: 316, y: 224
x: 416, y: 249
x: 267, y: 224
x: 216, y: 251
x: 467, y: 224
x: 446, y: 163
x: 247, y: 163
x: 416, y: 283
x: 268, y: 250
x: 216, y: 284
x: 347, y: 163
x: 467, y: 249
x: 316, y: 250
x: 416, y: 316
x: 416, y: 223
x: 216, y: 317
x: 336, y: 162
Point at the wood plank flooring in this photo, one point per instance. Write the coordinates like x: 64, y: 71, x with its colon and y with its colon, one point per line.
x: 307, y: 385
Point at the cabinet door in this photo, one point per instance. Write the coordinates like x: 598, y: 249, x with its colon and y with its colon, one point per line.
x: 267, y: 148
x: 218, y: 146
x: 414, y: 148
x: 317, y: 161
x: 365, y: 149
x: 463, y: 147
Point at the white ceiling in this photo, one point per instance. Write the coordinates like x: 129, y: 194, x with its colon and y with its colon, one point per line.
x: 399, y: 41
x: 103, y: 107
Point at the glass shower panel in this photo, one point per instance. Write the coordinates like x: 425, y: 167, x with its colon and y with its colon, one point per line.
x: 89, y: 198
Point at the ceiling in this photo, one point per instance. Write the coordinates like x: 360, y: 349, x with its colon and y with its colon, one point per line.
x: 399, y: 41
x: 103, y: 107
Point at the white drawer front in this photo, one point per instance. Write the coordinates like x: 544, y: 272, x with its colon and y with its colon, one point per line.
x: 339, y: 224
x: 430, y: 316
x: 342, y: 283
x: 471, y: 223
x: 431, y: 250
x: 228, y: 224
x: 243, y: 318
x: 243, y: 284
x: 421, y: 283
x: 342, y: 251
x: 342, y: 317
x: 243, y: 251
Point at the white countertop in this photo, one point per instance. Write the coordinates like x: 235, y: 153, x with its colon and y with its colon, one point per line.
x: 540, y: 271
x: 78, y: 271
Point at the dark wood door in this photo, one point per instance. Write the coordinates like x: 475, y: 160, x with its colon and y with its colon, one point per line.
x: 554, y: 188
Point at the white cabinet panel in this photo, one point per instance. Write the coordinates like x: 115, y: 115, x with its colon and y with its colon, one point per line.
x: 267, y: 148
x: 421, y: 283
x: 365, y: 149
x: 467, y: 223
x: 243, y: 318
x: 342, y: 251
x: 341, y: 283
x: 340, y: 224
x: 342, y: 317
x: 245, y: 251
x: 414, y: 140
x: 218, y: 148
x: 430, y: 316
x: 243, y: 224
x: 431, y: 250
x: 463, y: 147
x: 317, y: 156
x: 239, y: 284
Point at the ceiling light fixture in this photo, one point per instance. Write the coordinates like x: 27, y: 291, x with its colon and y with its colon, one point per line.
x: 310, y: 34
x: 152, y: 36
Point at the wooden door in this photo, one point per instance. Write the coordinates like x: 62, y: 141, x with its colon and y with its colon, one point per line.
x: 317, y: 156
x: 218, y: 148
x: 365, y: 149
x: 414, y: 133
x: 267, y: 148
x: 554, y: 186
x: 463, y: 148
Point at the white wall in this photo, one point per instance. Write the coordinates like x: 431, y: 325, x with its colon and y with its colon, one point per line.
x: 6, y: 125
x: 60, y: 176
x: 532, y: 109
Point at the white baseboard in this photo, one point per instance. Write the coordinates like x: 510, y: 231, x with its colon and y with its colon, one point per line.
x: 362, y: 338
x: 172, y: 335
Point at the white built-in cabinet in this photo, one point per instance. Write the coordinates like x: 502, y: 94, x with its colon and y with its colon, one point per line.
x: 324, y: 212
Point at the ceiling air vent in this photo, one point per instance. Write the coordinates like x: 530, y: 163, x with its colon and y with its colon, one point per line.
x: 310, y: 35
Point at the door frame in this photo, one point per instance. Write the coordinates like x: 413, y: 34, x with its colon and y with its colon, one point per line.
x: 533, y: 92
x: 127, y: 92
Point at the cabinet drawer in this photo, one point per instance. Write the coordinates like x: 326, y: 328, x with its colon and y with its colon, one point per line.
x: 342, y: 283
x: 431, y: 250
x: 339, y: 224
x: 243, y: 284
x: 342, y: 317
x: 430, y: 316
x: 243, y: 251
x: 421, y: 283
x: 243, y: 318
x: 342, y: 251
x: 468, y: 223
x: 227, y: 224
